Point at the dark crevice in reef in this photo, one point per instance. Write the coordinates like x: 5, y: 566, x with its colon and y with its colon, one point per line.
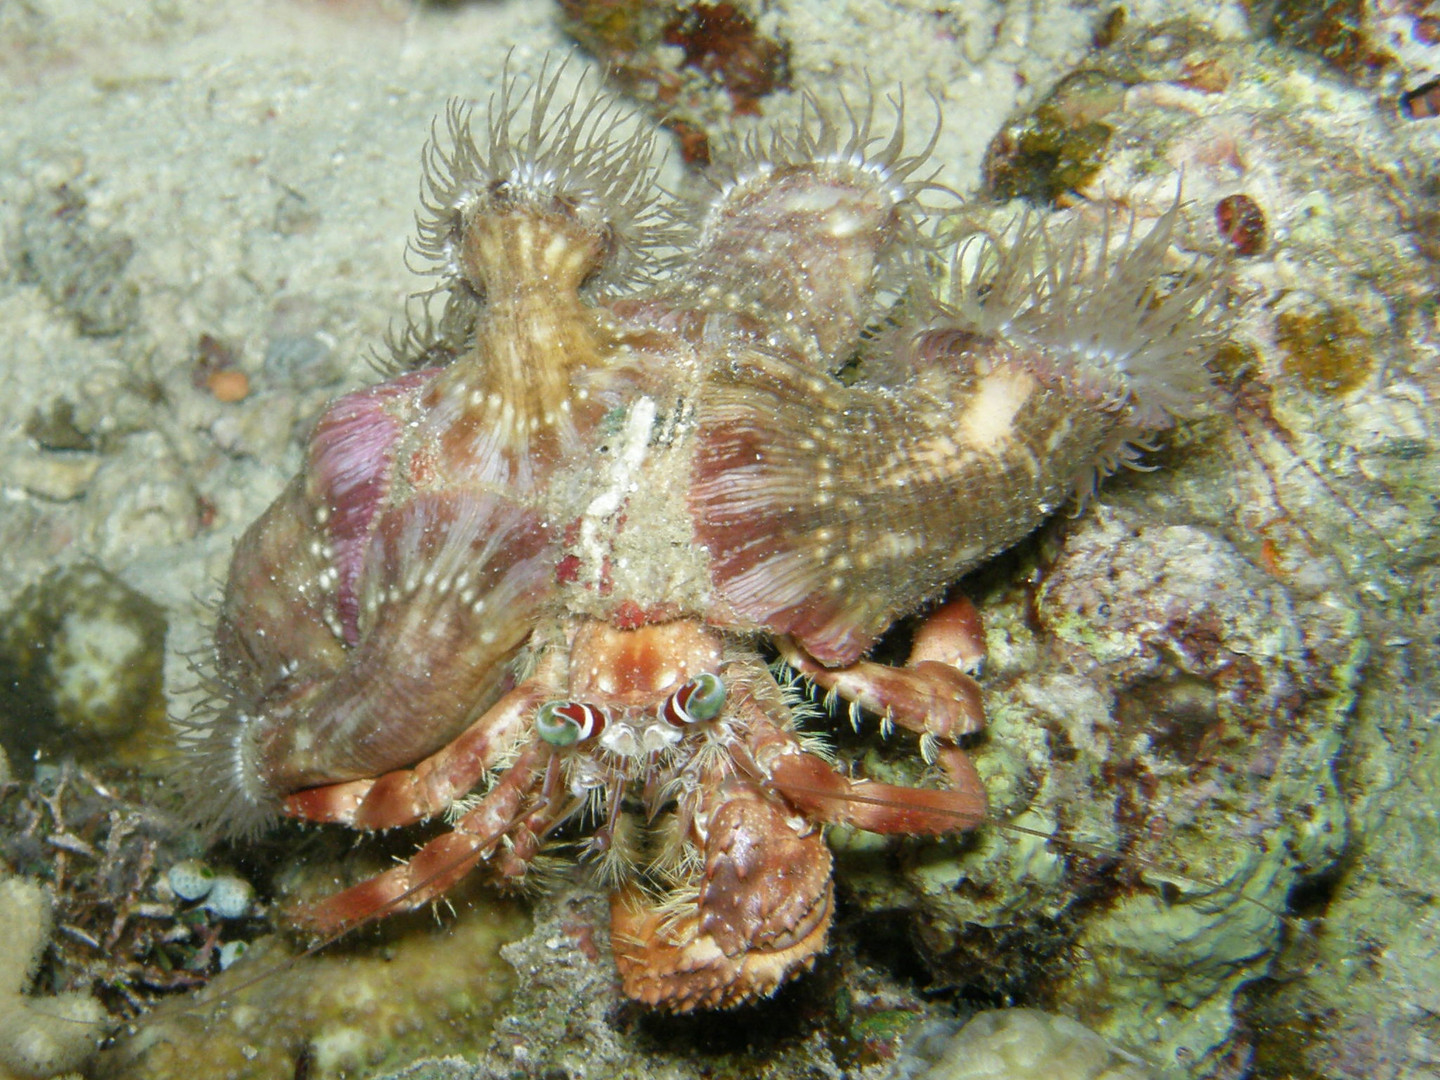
x: 1310, y: 897
x: 1002, y: 966
x: 883, y: 939
x: 755, y: 1032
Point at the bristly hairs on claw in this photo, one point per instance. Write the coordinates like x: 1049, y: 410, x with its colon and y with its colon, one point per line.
x: 818, y: 745
x: 798, y: 693
x: 619, y: 859
x: 586, y: 152
x: 458, y: 808
x: 544, y: 873
x: 803, y: 709
x: 929, y: 748
x: 673, y: 907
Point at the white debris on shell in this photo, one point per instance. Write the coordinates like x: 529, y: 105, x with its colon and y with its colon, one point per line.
x: 619, y: 483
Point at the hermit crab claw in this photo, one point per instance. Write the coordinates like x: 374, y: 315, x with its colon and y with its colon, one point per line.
x: 760, y: 915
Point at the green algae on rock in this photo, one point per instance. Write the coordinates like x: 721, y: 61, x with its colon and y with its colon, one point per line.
x: 1059, y: 145
x: 361, y: 1008
x: 1325, y: 351
x: 1012, y: 1044
x: 1245, y: 689
x: 1184, y: 677
x: 1174, y: 675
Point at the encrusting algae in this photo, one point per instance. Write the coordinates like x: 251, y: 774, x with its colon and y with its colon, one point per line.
x: 81, y: 661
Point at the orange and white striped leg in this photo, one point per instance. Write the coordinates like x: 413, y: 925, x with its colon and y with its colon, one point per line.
x: 439, y: 864
x: 405, y: 796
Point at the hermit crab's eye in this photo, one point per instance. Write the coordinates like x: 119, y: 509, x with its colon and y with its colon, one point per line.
x: 565, y: 723
x: 701, y: 698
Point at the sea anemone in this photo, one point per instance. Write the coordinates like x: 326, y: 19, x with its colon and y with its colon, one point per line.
x: 584, y: 156
x: 1107, y: 316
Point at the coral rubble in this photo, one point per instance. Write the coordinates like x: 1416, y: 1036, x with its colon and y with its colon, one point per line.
x: 40, y: 1037
x: 359, y: 1010
x: 1183, y: 673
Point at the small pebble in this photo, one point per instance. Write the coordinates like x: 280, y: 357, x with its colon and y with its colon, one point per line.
x: 191, y: 879
x: 228, y: 385
x: 301, y: 359
x: 1422, y: 103
x: 1241, y: 222
x: 230, y: 897
x: 230, y: 952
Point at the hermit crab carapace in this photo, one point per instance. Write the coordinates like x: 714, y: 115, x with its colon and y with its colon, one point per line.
x: 527, y: 580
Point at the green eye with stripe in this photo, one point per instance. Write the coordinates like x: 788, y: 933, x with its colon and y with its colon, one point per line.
x: 707, y: 698
x: 565, y: 723
x: 700, y: 699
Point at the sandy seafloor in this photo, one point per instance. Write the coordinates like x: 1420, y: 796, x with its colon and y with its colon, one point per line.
x: 262, y: 159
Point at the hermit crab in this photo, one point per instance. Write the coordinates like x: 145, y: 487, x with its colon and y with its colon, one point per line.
x: 657, y: 461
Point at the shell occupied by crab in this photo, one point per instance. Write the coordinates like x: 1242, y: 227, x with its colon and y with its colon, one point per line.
x: 526, y: 581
